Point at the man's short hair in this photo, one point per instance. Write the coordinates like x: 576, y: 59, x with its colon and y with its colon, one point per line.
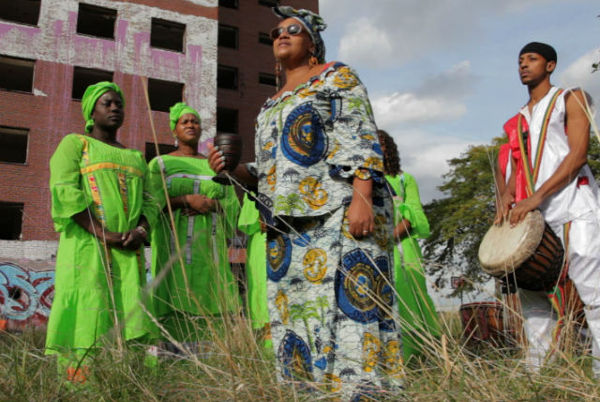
x: 546, y: 51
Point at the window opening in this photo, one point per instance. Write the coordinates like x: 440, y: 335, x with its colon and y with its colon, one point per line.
x: 96, y: 21
x: 167, y: 35
x: 164, y: 94
x: 13, y: 144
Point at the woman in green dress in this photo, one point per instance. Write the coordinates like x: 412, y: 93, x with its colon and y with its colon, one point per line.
x: 256, y: 267
x: 419, y: 323
x: 190, y: 259
x: 103, y: 211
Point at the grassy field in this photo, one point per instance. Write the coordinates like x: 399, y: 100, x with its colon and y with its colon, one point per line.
x: 236, y: 369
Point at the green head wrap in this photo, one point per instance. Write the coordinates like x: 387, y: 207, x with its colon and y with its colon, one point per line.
x: 178, y: 110
x: 90, y: 97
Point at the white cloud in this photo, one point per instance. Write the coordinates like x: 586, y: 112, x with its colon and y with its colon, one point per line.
x: 426, y: 156
x: 579, y: 73
x: 438, y: 98
x: 389, y: 33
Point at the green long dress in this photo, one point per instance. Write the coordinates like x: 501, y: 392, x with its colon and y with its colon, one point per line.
x: 256, y: 264
x: 417, y: 311
x: 97, y: 289
x: 205, y: 286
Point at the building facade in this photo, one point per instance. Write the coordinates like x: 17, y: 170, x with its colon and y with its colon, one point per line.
x: 51, y: 50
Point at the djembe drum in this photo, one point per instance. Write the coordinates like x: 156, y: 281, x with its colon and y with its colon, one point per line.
x: 528, y: 254
x: 231, y: 146
x: 483, y: 322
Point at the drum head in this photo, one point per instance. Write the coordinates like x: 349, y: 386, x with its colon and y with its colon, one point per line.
x: 504, y: 248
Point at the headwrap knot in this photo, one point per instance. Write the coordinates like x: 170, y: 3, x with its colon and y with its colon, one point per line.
x: 313, y: 23
x: 178, y: 110
x: 90, y: 97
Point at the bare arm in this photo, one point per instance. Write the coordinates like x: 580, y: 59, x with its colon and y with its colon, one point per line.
x: 87, y: 221
x: 578, y: 129
x: 361, y: 220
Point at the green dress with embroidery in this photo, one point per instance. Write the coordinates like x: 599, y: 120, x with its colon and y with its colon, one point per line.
x: 97, y: 289
x: 417, y: 310
x: 205, y: 285
x: 256, y: 263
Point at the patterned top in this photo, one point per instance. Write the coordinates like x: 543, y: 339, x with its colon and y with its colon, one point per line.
x: 311, y: 141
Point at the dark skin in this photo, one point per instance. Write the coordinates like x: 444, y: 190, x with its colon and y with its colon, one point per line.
x: 188, y: 132
x: 108, y: 115
x: 535, y: 72
x: 402, y: 229
x: 294, y: 52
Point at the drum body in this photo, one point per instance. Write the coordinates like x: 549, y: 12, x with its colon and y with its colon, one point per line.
x: 529, y: 254
x: 483, y: 322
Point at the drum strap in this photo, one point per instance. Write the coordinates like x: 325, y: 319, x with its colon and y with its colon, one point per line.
x: 532, y: 170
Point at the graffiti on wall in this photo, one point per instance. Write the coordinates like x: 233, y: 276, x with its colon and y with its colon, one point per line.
x: 25, y: 297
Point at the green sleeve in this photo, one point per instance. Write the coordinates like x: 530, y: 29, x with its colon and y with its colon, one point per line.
x: 412, y: 210
x: 249, y: 217
x: 66, y: 187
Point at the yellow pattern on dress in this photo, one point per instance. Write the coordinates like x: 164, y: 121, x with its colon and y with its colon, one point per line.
x: 281, y: 301
x: 313, y: 193
x: 371, y: 348
x: 315, y: 265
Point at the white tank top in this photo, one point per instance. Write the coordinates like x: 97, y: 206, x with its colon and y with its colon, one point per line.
x: 572, y: 200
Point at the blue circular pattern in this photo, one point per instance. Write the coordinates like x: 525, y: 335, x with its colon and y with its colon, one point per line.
x: 279, y: 256
x: 302, y: 139
x: 355, y: 287
x: 295, y: 358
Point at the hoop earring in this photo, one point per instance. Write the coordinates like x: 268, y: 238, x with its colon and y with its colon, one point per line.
x: 312, y: 61
x: 278, y: 70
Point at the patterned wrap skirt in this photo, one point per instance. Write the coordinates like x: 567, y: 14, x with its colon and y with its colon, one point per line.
x: 332, y: 306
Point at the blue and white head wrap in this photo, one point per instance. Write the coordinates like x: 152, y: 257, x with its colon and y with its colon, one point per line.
x: 313, y: 23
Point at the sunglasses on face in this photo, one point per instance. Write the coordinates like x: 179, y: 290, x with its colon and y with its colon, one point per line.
x: 293, y: 29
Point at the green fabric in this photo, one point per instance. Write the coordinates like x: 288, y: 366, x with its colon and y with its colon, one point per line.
x: 211, y: 288
x: 417, y: 310
x: 91, y: 95
x: 112, y: 181
x: 178, y: 110
x: 256, y: 264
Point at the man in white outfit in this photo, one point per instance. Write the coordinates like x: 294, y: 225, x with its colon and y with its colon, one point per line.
x: 553, y: 132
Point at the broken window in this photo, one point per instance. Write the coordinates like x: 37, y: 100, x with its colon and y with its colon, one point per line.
x: 227, y: 120
x: 13, y: 144
x: 228, y: 36
x: 229, y: 3
x: 16, y: 74
x: 265, y: 38
x: 84, y: 77
x: 167, y: 35
x: 162, y: 148
x: 21, y: 11
x: 96, y: 21
x: 267, y: 79
x: 227, y: 77
x: 164, y: 94
x: 269, y: 3
x: 11, y: 220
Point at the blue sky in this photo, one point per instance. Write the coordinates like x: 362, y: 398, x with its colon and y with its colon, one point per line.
x: 442, y: 74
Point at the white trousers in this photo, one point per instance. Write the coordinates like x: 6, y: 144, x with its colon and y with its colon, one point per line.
x: 584, y: 270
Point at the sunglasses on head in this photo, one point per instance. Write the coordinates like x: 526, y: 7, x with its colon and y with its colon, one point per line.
x: 293, y: 29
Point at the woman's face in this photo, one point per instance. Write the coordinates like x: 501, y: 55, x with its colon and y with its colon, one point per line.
x: 188, y: 129
x: 292, y: 47
x: 108, y: 111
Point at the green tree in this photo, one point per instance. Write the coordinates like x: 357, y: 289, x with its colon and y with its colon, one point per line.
x: 460, y: 219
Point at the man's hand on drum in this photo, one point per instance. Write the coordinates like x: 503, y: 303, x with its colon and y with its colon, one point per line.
x: 522, y: 207
x: 503, y: 206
